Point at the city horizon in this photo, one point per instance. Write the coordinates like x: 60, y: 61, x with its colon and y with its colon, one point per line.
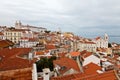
x: 81, y: 17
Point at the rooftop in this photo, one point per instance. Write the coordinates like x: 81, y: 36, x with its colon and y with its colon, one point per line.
x: 10, y: 59
x: 67, y: 63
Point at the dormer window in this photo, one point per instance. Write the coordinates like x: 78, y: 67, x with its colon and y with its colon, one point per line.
x: 63, y: 67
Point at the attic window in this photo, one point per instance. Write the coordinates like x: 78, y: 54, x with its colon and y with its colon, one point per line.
x: 63, y: 67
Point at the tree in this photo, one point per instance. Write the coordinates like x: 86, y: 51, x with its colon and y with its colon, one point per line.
x: 45, y: 63
x: 109, y: 45
x: 47, y: 32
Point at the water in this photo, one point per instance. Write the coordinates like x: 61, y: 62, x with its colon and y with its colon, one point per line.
x: 114, y: 39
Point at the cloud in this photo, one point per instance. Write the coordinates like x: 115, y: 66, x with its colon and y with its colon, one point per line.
x: 78, y: 16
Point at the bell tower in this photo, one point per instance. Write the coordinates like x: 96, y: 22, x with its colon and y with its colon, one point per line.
x: 106, y: 37
x: 18, y: 25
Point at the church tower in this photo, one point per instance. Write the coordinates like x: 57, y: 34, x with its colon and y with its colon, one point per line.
x: 106, y: 38
x: 18, y: 25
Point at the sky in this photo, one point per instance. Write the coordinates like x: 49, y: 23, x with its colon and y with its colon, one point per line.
x: 82, y: 17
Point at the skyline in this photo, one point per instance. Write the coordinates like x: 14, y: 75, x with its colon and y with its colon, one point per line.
x: 88, y: 17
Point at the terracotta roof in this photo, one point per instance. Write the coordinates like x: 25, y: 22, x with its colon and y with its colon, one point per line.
x: 24, y: 75
x: 5, y: 43
x: 29, y: 39
x: 116, y: 48
x: 39, y: 53
x: 97, y: 38
x: 66, y: 77
x: 85, y: 53
x: 110, y: 75
x: 62, y: 54
x: 13, y: 52
x: 68, y: 63
x: 21, y: 74
x: 11, y: 60
x: 88, y: 70
x: 50, y: 47
x: 33, y: 39
x: 75, y: 54
x: 89, y: 42
x: 15, y: 63
x: 102, y: 49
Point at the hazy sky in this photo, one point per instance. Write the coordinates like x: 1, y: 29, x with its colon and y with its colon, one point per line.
x: 83, y: 17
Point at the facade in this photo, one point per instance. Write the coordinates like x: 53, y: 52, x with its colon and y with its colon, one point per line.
x: 19, y: 25
x: 2, y: 36
x: 92, y: 45
x: 15, y: 35
x: 28, y: 42
x: 89, y: 46
x: 102, y: 42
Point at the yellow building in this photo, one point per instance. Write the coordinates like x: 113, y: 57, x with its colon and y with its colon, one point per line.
x: 14, y: 35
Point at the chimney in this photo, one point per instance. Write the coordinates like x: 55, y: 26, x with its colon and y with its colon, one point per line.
x: 34, y: 72
x: 79, y: 62
x: 46, y: 74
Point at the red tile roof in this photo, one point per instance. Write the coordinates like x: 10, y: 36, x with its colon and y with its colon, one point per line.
x: 102, y: 49
x: 33, y: 39
x: 110, y: 75
x: 97, y: 38
x: 50, y: 47
x: 15, y: 63
x: 39, y: 53
x: 29, y: 39
x: 68, y: 63
x: 21, y: 74
x: 88, y: 42
x: 75, y: 54
x: 66, y: 77
x: 85, y: 53
x: 11, y: 60
x: 88, y: 70
x: 62, y: 54
x: 5, y: 43
x: 13, y: 52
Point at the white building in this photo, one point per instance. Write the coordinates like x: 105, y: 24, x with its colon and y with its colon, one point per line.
x: 28, y: 42
x: 102, y: 42
x: 91, y: 58
x: 15, y: 35
x: 19, y: 25
x: 2, y: 37
x: 88, y: 46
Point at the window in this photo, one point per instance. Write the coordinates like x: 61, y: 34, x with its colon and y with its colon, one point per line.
x: 14, y: 34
